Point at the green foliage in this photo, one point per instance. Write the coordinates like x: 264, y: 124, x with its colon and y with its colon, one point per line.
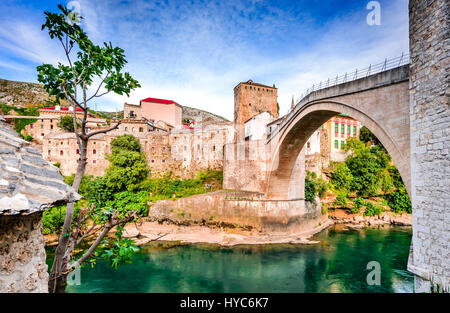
x: 366, y: 136
x: 128, y: 166
x: 125, y: 142
x: 53, y: 218
x: 366, y: 166
x: 372, y: 209
x: 341, y: 199
x: 342, y: 177
x: 66, y: 122
x: 127, y: 201
x: 84, y: 185
x: 98, y: 192
x: 314, y: 186
x: 117, y: 250
x: 20, y: 123
x: 399, y: 201
x: 28, y: 138
x: 358, y: 203
x: 92, y: 62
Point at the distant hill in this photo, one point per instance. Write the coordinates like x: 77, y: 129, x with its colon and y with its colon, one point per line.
x: 201, y: 115
x: 25, y: 94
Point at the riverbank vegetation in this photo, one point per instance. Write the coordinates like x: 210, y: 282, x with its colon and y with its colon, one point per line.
x: 128, y: 185
x: 367, y: 181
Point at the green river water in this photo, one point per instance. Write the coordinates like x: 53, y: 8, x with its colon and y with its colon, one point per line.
x: 337, y: 264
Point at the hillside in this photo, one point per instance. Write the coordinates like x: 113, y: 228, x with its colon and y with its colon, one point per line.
x: 16, y: 93
x: 200, y: 115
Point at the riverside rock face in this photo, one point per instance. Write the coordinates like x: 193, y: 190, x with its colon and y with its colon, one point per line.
x: 430, y: 142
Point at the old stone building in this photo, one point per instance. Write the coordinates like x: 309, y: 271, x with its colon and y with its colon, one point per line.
x: 28, y: 186
x: 181, y: 151
x: 47, y: 123
x: 251, y: 99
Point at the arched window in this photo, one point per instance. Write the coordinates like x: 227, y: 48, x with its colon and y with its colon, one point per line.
x: 94, y: 151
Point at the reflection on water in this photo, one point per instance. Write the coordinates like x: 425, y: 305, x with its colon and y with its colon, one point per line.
x: 337, y: 264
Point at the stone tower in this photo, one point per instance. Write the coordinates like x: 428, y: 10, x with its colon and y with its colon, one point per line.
x: 251, y: 99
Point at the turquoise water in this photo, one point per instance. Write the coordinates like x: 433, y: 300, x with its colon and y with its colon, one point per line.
x: 337, y: 264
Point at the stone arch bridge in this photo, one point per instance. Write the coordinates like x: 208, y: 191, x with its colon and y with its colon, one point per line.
x: 380, y: 102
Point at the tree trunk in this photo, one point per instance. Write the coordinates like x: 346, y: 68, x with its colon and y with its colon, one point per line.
x: 61, y: 264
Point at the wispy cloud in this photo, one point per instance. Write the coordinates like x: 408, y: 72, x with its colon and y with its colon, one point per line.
x: 195, y: 52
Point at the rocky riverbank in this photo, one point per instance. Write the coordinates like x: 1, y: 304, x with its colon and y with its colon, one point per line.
x: 147, y: 231
x: 360, y: 221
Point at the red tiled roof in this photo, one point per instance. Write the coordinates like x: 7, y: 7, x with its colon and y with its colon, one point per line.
x: 156, y: 100
x: 63, y: 109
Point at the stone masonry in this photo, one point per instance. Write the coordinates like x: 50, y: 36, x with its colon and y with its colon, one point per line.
x: 430, y: 143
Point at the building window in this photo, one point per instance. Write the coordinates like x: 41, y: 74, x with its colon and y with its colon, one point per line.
x: 164, y: 149
x: 126, y: 129
x: 153, y: 149
x: 214, y: 148
x: 141, y: 130
x: 31, y: 126
x: 336, y: 127
x: 336, y: 144
x: 342, y: 128
x: 94, y: 161
x: 153, y: 161
x: 354, y: 130
x: 348, y: 129
x: 164, y: 161
x: 78, y: 151
x: 61, y: 152
x: 342, y: 144
x: 42, y: 134
x: 48, y: 152
x: 308, y: 145
x: 185, y: 148
x: 51, y: 126
x: 42, y: 126
x: 94, y: 151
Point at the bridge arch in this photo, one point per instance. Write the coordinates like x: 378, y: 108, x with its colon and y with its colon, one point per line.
x: 293, y: 136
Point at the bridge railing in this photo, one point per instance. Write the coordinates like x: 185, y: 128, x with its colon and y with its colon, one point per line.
x: 387, y: 64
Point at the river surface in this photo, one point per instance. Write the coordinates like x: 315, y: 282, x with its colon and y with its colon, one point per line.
x: 337, y: 264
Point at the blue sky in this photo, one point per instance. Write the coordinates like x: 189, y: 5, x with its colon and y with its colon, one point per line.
x: 195, y: 52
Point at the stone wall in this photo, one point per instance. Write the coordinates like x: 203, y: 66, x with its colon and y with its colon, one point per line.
x: 239, y: 210
x: 430, y: 142
x: 245, y: 166
x: 22, y: 254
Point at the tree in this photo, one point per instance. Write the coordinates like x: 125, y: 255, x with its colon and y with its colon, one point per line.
x: 86, y: 63
x: 128, y: 166
x: 66, y: 123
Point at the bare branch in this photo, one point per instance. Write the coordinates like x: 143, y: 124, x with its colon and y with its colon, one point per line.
x: 103, y: 131
x: 98, y: 89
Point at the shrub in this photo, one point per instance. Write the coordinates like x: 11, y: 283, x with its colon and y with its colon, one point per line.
x: 342, y: 177
x: 314, y: 186
x: 372, y: 209
x: 28, y: 138
x: 399, y: 201
x: 358, y: 203
x: 341, y: 199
